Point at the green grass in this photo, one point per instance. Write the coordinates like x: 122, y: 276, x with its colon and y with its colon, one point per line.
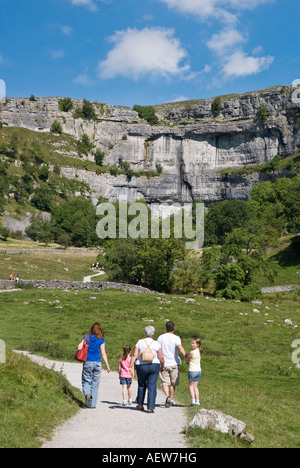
x: 33, y: 401
x: 48, y: 266
x: 247, y: 369
x: 288, y: 260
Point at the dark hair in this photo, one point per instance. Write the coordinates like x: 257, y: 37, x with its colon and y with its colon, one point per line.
x: 126, y: 351
x: 170, y: 326
x: 97, y: 330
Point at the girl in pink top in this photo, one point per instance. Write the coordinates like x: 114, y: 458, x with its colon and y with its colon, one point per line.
x: 125, y: 374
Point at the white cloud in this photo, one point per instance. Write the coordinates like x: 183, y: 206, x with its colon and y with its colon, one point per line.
x: 83, y: 79
x: 150, y: 51
x: 224, y: 40
x: 221, y: 9
x: 88, y: 3
x: 240, y: 64
x: 57, y: 54
x: 67, y: 30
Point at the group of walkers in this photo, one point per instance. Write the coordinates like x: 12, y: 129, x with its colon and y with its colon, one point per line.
x: 150, y: 358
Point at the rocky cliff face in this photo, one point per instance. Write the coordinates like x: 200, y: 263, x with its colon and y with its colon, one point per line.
x: 191, y: 143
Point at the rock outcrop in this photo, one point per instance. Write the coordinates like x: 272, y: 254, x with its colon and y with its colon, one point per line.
x: 218, y: 421
x: 191, y: 143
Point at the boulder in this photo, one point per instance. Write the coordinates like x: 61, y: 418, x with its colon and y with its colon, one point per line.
x: 218, y: 421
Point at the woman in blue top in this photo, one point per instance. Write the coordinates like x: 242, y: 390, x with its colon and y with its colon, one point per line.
x: 92, y: 368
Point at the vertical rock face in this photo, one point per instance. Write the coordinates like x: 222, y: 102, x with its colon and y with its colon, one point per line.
x: 191, y: 143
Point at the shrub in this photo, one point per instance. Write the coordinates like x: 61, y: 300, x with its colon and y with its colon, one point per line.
x: 147, y: 113
x: 84, y: 145
x: 263, y: 114
x: 216, y: 106
x: 99, y: 157
x: 65, y: 105
x: 56, y: 127
x: 86, y: 112
x: 32, y: 98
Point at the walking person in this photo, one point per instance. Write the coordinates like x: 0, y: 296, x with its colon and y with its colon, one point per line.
x: 170, y: 344
x: 126, y: 375
x: 149, y: 361
x: 194, y: 361
x: 92, y: 368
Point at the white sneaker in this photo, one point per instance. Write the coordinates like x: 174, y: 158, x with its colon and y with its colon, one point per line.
x: 130, y: 401
x: 124, y: 403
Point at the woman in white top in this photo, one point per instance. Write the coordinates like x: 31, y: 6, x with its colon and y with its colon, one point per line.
x: 147, y: 368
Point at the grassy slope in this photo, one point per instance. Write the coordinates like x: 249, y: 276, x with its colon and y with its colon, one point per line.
x: 247, y: 368
x: 33, y: 401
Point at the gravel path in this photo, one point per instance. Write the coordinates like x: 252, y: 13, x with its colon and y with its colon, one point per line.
x: 112, y: 425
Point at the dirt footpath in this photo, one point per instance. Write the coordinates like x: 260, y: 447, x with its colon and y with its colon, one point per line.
x: 112, y: 425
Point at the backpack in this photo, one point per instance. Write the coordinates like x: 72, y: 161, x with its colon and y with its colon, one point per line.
x: 147, y: 355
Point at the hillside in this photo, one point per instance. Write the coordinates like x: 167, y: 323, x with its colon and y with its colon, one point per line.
x: 182, y: 157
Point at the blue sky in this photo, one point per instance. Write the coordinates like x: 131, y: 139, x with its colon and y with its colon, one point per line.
x: 145, y: 52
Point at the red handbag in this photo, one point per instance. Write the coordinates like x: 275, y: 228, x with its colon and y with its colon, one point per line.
x: 81, y: 354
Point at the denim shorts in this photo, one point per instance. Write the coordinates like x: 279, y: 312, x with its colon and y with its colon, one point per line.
x: 194, y: 376
x: 125, y: 381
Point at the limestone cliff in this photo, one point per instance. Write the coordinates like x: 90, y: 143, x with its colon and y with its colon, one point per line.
x: 192, y: 143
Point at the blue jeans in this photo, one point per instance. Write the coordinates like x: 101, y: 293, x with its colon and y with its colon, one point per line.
x: 147, y: 375
x: 91, y: 375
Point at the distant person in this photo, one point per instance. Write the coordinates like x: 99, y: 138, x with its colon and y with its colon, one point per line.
x: 170, y: 344
x: 11, y: 277
x: 147, y: 370
x: 92, y: 368
x: 17, y: 278
x: 194, y: 361
x: 126, y: 375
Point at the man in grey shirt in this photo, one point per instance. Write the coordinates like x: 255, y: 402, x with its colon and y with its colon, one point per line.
x: 170, y: 344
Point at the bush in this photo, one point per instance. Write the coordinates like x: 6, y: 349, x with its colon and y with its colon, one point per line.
x: 99, y: 157
x: 65, y: 105
x: 263, y: 114
x: 56, y: 127
x: 216, y: 106
x: 147, y: 113
x: 86, y: 112
x: 84, y: 145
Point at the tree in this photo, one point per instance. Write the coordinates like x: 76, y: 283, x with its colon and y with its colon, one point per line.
x: 76, y: 217
x: 65, y: 104
x: 56, y: 127
x: 145, y: 262
x: 40, y: 229
x: 86, y: 112
x: 147, y: 113
x: 216, y: 106
x: 263, y: 114
x: 223, y: 217
x: 64, y: 240
x: 84, y: 146
x: 99, y: 157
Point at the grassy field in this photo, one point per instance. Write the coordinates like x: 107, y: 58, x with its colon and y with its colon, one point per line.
x: 247, y: 368
x: 45, y: 266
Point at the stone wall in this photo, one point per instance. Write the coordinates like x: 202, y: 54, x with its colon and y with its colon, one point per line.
x: 78, y: 285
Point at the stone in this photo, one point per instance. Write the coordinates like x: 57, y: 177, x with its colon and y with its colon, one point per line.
x: 192, y: 145
x: 218, y: 421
